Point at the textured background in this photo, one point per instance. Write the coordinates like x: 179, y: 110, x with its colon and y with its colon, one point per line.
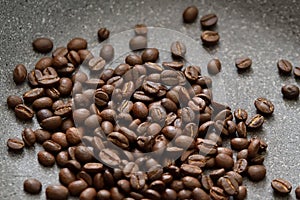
x: 263, y: 30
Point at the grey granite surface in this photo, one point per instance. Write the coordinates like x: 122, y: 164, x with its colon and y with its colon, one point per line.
x: 264, y: 30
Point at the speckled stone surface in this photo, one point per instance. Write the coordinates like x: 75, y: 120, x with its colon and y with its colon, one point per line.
x: 263, y: 30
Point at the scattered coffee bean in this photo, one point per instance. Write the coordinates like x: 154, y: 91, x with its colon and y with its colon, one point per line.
x: 256, y: 172
x: 284, y: 67
x: 281, y: 186
x: 150, y: 55
x: 32, y: 186
x: 42, y: 45
x: 19, y: 74
x: 290, y: 91
x: 243, y: 63
x: 103, y: 34
x: 214, y: 66
x: 210, y: 37
x: 296, y: 72
x: 255, y: 122
x: 28, y: 137
x: 107, y: 52
x: 57, y: 192
x: 190, y: 14
x: 23, y: 112
x: 240, y: 115
x: 133, y: 60
x: 178, y: 49
x: 264, y: 106
x: 77, y: 44
x: 13, y: 100
x: 209, y: 20
x: 46, y: 159
x: 15, y: 144
x: 138, y: 42
x: 242, y: 193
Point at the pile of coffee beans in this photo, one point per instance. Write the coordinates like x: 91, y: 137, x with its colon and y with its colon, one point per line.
x: 144, y: 129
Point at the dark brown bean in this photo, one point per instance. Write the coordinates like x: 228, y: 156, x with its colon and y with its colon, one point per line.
x: 28, y: 137
x: 19, y: 74
x: 214, y: 66
x: 290, y: 91
x: 13, y: 100
x: 210, y: 37
x: 209, y: 20
x: 264, y: 106
x: 178, y: 49
x: 76, y: 187
x: 51, y: 123
x: 57, y: 192
x: 45, y: 158
x: 138, y: 42
x: 43, y: 63
x: 42, y: 45
x: 150, y: 55
x: 297, y: 192
x: 281, y: 186
x: 217, y: 193
x: 33, y: 94
x: 44, y: 102
x: 140, y: 29
x: 23, y: 112
x: 240, y: 115
x: 103, y: 34
x: 239, y: 143
x: 255, y: 122
x: 240, y: 166
x: 224, y: 161
x: 229, y: 185
x: 296, y: 72
x: 284, y: 67
x: 243, y: 63
x: 32, y: 186
x: 242, y: 194
x: 190, y: 14
x: 88, y: 194
x: 62, y: 158
x: 257, y: 172
x: 15, y: 144
x: 66, y: 176
x: 77, y: 44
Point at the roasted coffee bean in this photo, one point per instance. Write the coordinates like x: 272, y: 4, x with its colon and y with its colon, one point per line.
x: 77, y: 44
x: 57, y: 192
x: 214, y: 66
x: 51, y: 146
x: 88, y: 193
x: 209, y: 20
x: 65, y: 86
x: 43, y: 114
x: 62, y: 158
x: 60, y: 51
x: 184, y: 141
x: 210, y: 37
x: 240, y: 166
x: 19, y: 74
x: 264, y: 106
x: 76, y: 187
x: 190, y: 14
x: 53, y: 93
x: 174, y: 65
x: 150, y: 55
x: 28, y: 137
x: 118, y: 139
x: 184, y: 194
x: 43, y: 63
x: 138, y: 180
x: 51, y: 123
x: 284, y: 67
x: 243, y: 63
x: 256, y: 172
x: 241, y: 129
x: 33, y: 94
x: 217, y: 193
x: 255, y: 122
x: 13, y: 100
x: 190, y: 182
x: 224, y: 161
x: 290, y: 91
x: 190, y: 170
x: 170, y: 77
x: 216, y: 174
x: 23, y: 112
x: 239, y: 143
x: 109, y: 157
x: 59, y: 62
x: 45, y: 158
x: 32, y: 186
x: 192, y: 72
x: 42, y: 45
x: 66, y: 176
x: 297, y: 192
x: 103, y: 194
x: 133, y: 60
x: 236, y: 176
x: 199, y: 194
x: 41, y: 103
x: 42, y: 135
x: 242, y: 193
x: 85, y: 176
x: 138, y: 42
x: 207, y: 182
x: 96, y: 64
x: 240, y: 115
x: 140, y: 29
x: 15, y: 144
x: 229, y: 185
x: 281, y: 186
x: 296, y: 72
x: 107, y: 52
x: 103, y: 34
x: 177, y: 185
x: 83, y: 154
x: 178, y: 49
x: 169, y: 194
x: 253, y: 148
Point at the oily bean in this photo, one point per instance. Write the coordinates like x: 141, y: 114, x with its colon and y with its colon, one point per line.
x: 229, y: 185
x: 242, y: 193
x: 197, y: 160
x: 88, y: 194
x: 60, y: 51
x: 15, y: 144
x: 42, y: 135
x: 152, y: 194
x: 63, y: 110
x: 32, y: 186
x: 98, y: 181
x: 241, y: 129
x: 43, y: 114
x: 53, y: 93
x: 169, y: 194
x: 296, y: 72
x: 253, y: 147
x: 217, y: 193
x: 103, y: 194
x: 116, y: 194
x: 192, y: 72
x: 171, y: 132
x: 28, y: 137
x: 51, y: 146
x: 140, y: 29
x: 77, y: 44
x: 290, y: 91
x: 76, y: 187
x: 109, y: 157
x: 207, y: 182
x: 297, y: 192
x: 83, y: 154
x: 19, y: 74
x: 51, y: 123
x: 256, y: 172
x: 107, y: 52
x: 32, y: 80
x: 43, y: 63
x: 240, y: 166
x: 74, y: 58
x: 214, y: 66
x: 217, y: 173
x: 96, y: 64
x: 281, y: 186
x: 150, y: 55
x: 13, y: 100
x: 178, y: 49
x: 243, y: 63
x: 65, y: 86
x: 121, y: 69
x: 209, y: 20
x: 42, y: 45
x: 157, y: 185
x: 66, y: 176
x: 66, y: 70
x: 255, y: 122
x: 200, y: 194
x: 62, y: 158
x: 239, y: 143
x: 138, y: 180
x: 73, y: 164
x: 85, y: 176
x: 242, y: 154
x: 43, y: 102
x: 57, y: 192
x: 240, y: 115
x: 139, y: 110
x: 45, y: 158
x: 169, y: 77
x: 210, y: 37
x: 225, y: 150
x: 177, y: 185
x: 264, y: 106
x: 190, y: 14
x: 33, y: 94
x: 190, y: 170
x: 118, y: 139
x: 103, y: 34
x: 138, y: 42
x: 284, y: 67
x: 224, y: 161
x: 184, y: 194
x: 236, y: 176
x: 85, y: 55
x: 23, y: 112
x: 133, y: 60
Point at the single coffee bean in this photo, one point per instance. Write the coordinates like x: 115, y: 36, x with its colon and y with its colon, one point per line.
x: 19, y: 74
x: 57, y: 192
x: 253, y: 148
x: 53, y: 93
x: 217, y: 193
x: 33, y: 94
x: 290, y: 91
x: 15, y: 144
x: 96, y: 64
x: 242, y: 193
x: 42, y: 45
x: 51, y: 146
x: 243, y: 63
x: 28, y: 137
x: 41, y: 103
x: 107, y: 52
x: 190, y: 14
x: 192, y: 72
x: 178, y: 49
x: 77, y: 186
x: 296, y: 72
x: 229, y: 185
x: 66, y: 176
x: 241, y: 130
x: 88, y: 193
x: 281, y: 186
x: 240, y: 166
x: 140, y: 29
x: 133, y: 60
x: 60, y: 51
x: 255, y: 122
x: 240, y: 115
x: 65, y: 86
x: 13, y: 100
x: 138, y: 43
x: 42, y: 135
x: 284, y: 67
x: 103, y: 34
x: 51, y: 123
x: 264, y: 106
x: 43, y: 114
x: 32, y: 186
x: 209, y: 20
x: 210, y: 37
x: 217, y: 173
x: 190, y: 170
x: 236, y: 176
x: 207, y: 182
x: 109, y: 157
x: 43, y: 63
x: 77, y: 44
x: 45, y: 158
x: 62, y: 158
x: 224, y: 161
x: 150, y: 55
x: 214, y: 66
x: 297, y: 192
x: 256, y: 172
x: 23, y: 112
